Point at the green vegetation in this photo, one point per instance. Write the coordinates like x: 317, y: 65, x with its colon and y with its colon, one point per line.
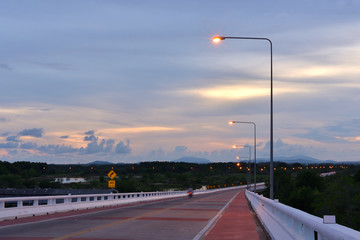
x: 145, y: 176
x: 304, y: 189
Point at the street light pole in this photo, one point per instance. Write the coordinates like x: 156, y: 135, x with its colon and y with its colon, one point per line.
x: 232, y: 122
x: 218, y: 39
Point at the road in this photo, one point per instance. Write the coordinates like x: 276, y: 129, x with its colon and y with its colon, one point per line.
x: 180, y: 218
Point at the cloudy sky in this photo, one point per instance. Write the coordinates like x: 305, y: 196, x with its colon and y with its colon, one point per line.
x: 130, y: 81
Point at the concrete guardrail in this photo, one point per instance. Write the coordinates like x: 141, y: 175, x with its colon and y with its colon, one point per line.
x: 284, y: 222
x: 18, y: 207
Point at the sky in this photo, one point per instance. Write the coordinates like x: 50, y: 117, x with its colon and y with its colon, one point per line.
x: 131, y: 81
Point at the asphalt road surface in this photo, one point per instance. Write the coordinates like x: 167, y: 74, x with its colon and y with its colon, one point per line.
x: 180, y: 218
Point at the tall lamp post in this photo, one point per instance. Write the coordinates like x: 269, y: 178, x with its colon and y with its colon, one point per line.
x: 249, y: 164
x: 231, y: 123
x: 218, y: 39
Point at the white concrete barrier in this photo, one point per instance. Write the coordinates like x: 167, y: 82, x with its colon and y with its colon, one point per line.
x: 284, y: 222
x: 18, y: 207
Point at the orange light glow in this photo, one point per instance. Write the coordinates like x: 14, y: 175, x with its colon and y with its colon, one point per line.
x: 216, y: 39
x: 231, y: 122
x: 238, y: 164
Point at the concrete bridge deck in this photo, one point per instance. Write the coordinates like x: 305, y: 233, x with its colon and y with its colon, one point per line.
x: 219, y: 215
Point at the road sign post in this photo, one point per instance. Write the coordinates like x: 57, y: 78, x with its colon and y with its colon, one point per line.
x: 111, y: 175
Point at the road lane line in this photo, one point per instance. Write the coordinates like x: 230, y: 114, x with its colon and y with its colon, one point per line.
x: 212, y: 221
x: 174, y: 219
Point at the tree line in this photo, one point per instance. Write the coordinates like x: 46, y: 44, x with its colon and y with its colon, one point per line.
x: 144, y: 176
x: 338, y: 194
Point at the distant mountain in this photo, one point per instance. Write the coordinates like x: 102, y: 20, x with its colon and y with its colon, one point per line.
x: 193, y: 160
x: 298, y: 159
x: 98, y: 163
x: 350, y: 162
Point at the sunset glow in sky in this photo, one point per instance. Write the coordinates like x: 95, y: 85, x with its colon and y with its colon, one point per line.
x: 131, y: 81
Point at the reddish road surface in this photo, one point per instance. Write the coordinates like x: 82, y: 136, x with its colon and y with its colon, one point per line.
x: 200, y: 217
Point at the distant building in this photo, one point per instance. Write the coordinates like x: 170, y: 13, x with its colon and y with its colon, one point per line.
x: 65, y: 180
x: 327, y: 174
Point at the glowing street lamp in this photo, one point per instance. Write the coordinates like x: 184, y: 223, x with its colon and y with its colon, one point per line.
x: 218, y: 39
x: 233, y: 122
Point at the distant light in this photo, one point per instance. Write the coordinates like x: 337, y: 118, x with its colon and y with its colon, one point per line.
x: 237, y: 146
x: 231, y: 122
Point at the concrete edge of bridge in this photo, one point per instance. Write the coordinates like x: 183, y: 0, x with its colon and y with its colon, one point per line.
x: 262, y: 233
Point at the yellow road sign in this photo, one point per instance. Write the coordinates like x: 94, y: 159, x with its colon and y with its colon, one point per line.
x: 112, y: 174
x: 111, y: 184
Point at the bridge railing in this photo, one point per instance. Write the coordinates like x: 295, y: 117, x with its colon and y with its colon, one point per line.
x: 17, y: 207
x: 284, y: 222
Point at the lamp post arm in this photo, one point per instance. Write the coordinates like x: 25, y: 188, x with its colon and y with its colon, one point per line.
x: 271, y: 107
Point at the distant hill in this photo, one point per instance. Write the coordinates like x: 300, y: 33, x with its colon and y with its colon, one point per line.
x: 292, y: 159
x: 98, y: 163
x: 193, y: 160
x: 298, y: 159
